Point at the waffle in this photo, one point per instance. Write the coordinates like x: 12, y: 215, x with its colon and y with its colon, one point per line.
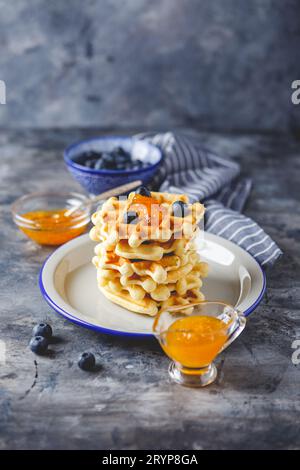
x: 155, y: 222
x: 171, y: 270
x: 148, y: 306
x: 191, y: 296
x: 139, y: 286
x: 150, y: 262
x: 168, y: 269
x: 152, y: 251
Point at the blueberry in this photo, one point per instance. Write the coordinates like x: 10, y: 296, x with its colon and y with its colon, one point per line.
x: 120, y: 166
x: 131, y: 217
x: 137, y: 164
x: 84, y: 157
x: 87, y: 361
x: 125, y: 155
x: 180, y: 209
x: 42, y: 329
x: 107, y: 156
x: 38, y: 344
x: 122, y: 161
x: 109, y: 160
x: 128, y: 166
x: 100, y: 164
x: 125, y: 158
x: 90, y: 163
x: 122, y: 153
x: 92, y: 154
x: 143, y: 191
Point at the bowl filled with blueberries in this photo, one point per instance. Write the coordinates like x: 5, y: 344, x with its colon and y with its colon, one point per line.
x: 102, y: 163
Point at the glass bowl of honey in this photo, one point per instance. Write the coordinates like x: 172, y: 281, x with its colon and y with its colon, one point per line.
x: 193, y: 340
x: 51, y: 218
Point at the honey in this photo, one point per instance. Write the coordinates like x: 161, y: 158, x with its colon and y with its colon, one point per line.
x: 53, y: 227
x: 194, y: 341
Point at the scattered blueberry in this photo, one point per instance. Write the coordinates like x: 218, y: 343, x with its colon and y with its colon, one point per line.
x: 42, y: 329
x: 180, y: 209
x: 143, y: 191
x: 87, y: 361
x: 131, y: 217
x: 38, y: 344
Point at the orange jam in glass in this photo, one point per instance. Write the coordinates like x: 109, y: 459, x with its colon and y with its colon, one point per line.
x: 53, y: 227
x: 194, y: 341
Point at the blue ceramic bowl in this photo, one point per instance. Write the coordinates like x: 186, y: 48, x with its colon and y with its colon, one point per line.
x: 97, y: 181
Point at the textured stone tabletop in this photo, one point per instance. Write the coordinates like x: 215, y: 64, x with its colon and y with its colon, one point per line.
x: 48, y: 402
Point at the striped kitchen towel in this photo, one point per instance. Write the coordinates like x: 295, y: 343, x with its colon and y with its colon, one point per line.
x: 189, y: 168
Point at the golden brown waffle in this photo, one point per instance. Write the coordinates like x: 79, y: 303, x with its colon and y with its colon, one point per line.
x: 152, y: 251
x: 191, y: 296
x: 151, y: 263
x: 148, y: 306
x: 168, y: 269
x: 140, y: 286
x: 156, y: 221
x: 145, y: 306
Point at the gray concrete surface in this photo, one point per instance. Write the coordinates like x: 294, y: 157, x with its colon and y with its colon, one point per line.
x: 129, y: 403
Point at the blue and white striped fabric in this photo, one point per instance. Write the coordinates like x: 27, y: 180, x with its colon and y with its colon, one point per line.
x: 189, y: 168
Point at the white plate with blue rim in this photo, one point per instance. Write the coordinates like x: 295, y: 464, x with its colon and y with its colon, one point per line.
x: 69, y: 285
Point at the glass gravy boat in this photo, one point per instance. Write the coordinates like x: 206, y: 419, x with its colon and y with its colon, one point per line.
x: 194, y: 340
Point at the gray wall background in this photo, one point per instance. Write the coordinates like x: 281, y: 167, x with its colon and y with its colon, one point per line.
x: 212, y: 64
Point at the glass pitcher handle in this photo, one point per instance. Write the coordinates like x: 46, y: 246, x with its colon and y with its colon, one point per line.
x: 241, y: 323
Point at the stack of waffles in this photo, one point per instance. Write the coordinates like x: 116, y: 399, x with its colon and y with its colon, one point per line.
x: 146, y: 259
